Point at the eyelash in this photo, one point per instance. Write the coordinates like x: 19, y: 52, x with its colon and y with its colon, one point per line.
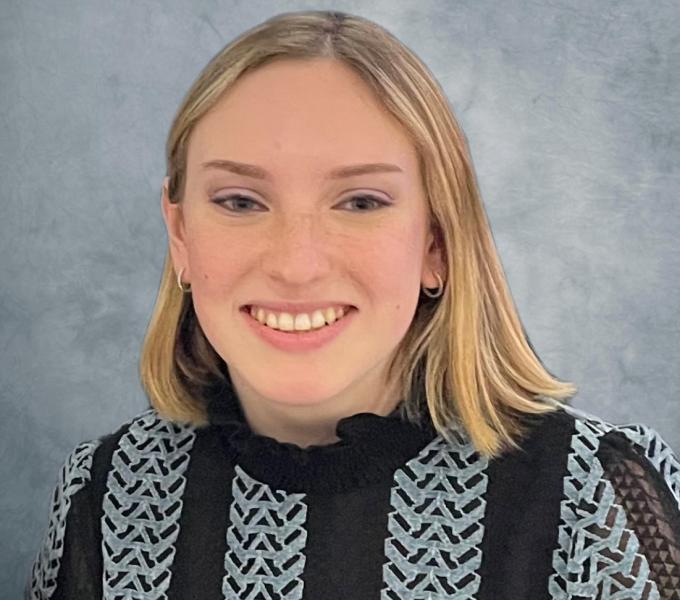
x: 224, y: 199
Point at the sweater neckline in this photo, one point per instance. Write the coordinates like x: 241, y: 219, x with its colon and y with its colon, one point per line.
x: 370, y: 448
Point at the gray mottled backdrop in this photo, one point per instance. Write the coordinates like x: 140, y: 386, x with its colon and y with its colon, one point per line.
x: 572, y: 112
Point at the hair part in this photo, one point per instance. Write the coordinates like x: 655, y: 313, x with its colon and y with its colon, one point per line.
x: 466, y: 355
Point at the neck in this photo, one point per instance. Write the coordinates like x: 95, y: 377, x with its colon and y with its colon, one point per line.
x: 313, y: 423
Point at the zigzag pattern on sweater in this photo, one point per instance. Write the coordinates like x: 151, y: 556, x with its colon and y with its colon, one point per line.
x: 73, y: 476
x: 265, y: 542
x: 609, y: 545
x: 434, y: 550
x: 142, y: 506
x: 599, y: 555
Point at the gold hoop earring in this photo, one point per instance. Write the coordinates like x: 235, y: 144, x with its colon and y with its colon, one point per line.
x: 179, y: 282
x: 440, y: 288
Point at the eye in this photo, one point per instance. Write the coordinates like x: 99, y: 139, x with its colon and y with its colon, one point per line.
x: 236, y: 201
x: 377, y: 202
x: 239, y: 198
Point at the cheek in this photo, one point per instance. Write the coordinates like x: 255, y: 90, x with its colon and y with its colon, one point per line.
x: 387, y: 264
x: 397, y: 256
x: 215, y: 263
x: 393, y: 265
x: 216, y: 267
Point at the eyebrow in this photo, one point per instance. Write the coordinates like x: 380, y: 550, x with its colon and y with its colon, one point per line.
x: 337, y: 173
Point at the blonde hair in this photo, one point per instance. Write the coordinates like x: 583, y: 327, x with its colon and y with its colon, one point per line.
x: 466, y: 352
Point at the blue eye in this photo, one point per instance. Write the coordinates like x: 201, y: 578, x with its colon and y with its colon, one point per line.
x: 240, y: 200
x: 377, y: 202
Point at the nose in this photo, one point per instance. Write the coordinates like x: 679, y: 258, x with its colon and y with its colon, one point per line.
x: 297, y: 251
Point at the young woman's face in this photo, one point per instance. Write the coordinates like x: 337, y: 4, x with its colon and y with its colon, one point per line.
x: 299, y: 235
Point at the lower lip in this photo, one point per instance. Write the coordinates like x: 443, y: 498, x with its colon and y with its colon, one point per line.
x: 299, y: 342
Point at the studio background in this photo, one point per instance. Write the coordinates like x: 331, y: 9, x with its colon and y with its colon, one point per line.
x: 572, y: 112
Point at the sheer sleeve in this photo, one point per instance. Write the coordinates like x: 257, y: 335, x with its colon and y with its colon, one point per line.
x: 644, y: 475
x: 625, y: 533
x: 62, y: 565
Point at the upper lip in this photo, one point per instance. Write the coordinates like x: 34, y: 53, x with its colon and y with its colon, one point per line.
x: 296, y: 307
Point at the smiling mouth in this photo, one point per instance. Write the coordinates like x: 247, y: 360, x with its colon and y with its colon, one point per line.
x: 348, y: 309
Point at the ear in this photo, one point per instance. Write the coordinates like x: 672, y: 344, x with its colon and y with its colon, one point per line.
x: 174, y: 223
x: 434, y: 259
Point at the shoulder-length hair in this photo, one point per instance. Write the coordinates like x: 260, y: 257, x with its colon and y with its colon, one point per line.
x: 465, y: 352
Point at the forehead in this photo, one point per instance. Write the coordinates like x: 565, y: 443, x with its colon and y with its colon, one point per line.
x: 317, y: 111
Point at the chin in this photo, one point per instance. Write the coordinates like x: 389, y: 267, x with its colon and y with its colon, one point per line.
x: 298, y: 394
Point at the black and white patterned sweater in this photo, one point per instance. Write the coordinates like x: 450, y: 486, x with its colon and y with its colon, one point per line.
x: 159, y: 510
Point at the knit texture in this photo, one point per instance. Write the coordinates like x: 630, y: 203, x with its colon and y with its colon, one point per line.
x: 158, y: 510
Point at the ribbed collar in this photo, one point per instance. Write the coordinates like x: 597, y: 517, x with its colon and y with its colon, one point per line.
x: 370, y: 448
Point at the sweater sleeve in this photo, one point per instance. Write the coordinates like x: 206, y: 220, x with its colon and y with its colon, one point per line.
x: 66, y: 562
x: 625, y: 539
x: 644, y: 476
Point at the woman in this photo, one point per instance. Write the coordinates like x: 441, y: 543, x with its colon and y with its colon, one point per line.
x: 318, y: 427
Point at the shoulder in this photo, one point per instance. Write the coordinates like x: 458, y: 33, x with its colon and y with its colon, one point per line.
x: 602, y: 448
x: 145, y: 434
x: 143, y: 445
x: 589, y: 437
x: 117, y: 469
x: 595, y: 458
x: 596, y: 449
x: 620, y: 510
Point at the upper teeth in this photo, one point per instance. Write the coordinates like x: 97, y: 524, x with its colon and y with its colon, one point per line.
x: 298, y: 322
